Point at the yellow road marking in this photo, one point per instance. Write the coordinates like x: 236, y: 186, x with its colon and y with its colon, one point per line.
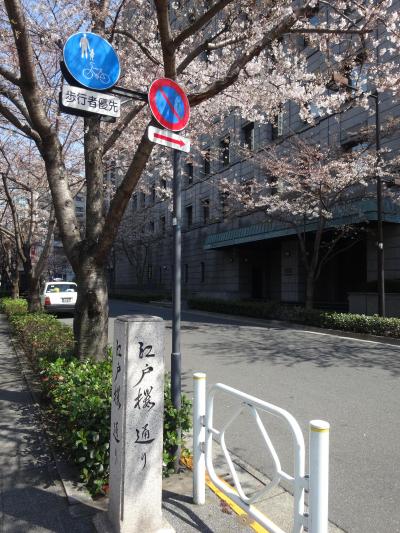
x: 245, y: 518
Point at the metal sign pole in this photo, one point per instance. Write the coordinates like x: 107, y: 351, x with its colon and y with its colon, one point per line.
x: 176, y: 300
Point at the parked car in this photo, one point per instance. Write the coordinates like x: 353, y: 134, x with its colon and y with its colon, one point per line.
x: 59, y: 296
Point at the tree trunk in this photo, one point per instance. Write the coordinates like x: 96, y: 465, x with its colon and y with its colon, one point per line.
x: 14, y: 278
x: 34, y: 305
x: 91, y: 311
x: 310, y: 291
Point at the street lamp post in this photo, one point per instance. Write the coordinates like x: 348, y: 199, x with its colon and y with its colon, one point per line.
x: 379, y: 199
x: 340, y: 80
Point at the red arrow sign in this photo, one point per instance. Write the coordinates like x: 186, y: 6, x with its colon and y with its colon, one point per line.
x: 169, y: 139
x: 165, y: 138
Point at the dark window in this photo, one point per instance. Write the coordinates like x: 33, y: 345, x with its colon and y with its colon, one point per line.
x: 151, y: 226
x: 150, y: 272
x: 277, y: 126
x: 207, y: 162
x: 205, y: 205
x: 162, y: 225
x: 189, y: 173
x: 273, y: 188
x: 202, y: 272
x: 142, y: 199
x: 163, y: 183
x: 134, y: 202
x: 224, y: 147
x: 224, y: 200
x: 186, y: 278
x: 160, y: 273
x: 248, y: 136
x: 153, y: 193
x: 189, y: 216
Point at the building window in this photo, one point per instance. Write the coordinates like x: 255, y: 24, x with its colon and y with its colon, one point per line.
x: 163, y: 183
x: 273, y: 184
x: 162, y: 225
x: 160, y: 273
x: 202, y: 272
x: 134, y: 202
x: 224, y: 147
x: 149, y: 272
x: 189, y: 173
x: 186, y: 274
x: 224, y: 201
x: 207, y: 162
x: 142, y: 199
x: 248, y: 136
x: 151, y: 226
x: 189, y: 216
x: 153, y: 193
x: 277, y: 126
x: 205, y: 207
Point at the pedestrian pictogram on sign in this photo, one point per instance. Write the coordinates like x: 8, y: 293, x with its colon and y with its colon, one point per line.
x: 166, y: 138
x: 169, y: 104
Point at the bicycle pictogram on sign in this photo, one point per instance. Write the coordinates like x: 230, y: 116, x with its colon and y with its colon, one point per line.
x: 169, y: 104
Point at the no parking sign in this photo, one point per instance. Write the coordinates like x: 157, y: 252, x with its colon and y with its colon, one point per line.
x: 169, y: 104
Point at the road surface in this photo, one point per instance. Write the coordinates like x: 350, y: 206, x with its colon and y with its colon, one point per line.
x: 353, y: 384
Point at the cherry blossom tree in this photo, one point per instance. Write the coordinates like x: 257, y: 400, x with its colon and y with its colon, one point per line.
x: 318, y: 192
x: 28, y: 220
x: 225, y: 53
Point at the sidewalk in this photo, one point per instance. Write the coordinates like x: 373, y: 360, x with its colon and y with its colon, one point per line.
x: 36, y: 494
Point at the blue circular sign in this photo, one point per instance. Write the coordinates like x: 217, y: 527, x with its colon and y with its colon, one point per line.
x: 91, y: 61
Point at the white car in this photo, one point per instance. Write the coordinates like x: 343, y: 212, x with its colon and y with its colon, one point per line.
x: 59, y: 296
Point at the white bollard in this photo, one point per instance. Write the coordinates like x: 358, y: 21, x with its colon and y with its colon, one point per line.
x: 319, y: 476
x: 199, y: 433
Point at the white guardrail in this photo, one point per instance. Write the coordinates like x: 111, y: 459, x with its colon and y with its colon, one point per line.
x: 316, y: 483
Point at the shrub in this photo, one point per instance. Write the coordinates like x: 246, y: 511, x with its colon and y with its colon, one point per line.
x: 80, y: 403
x: 42, y: 335
x: 373, y: 325
x: 13, y: 306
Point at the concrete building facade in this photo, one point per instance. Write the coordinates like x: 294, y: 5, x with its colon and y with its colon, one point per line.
x: 243, y: 256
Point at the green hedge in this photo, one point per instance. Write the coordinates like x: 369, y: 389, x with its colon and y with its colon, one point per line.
x: 80, y: 404
x: 373, y: 325
x: 13, y: 306
x: 139, y: 297
x: 78, y: 396
x: 42, y: 335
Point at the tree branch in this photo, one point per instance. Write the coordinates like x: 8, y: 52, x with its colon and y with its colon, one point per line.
x: 200, y: 22
x: 167, y: 45
x: 122, y: 125
x: 233, y: 73
x: 139, y: 44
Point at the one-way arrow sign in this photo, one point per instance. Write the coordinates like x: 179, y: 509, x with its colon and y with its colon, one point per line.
x: 166, y: 138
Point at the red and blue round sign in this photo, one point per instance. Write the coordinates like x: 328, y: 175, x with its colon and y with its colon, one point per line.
x: 169, y: 104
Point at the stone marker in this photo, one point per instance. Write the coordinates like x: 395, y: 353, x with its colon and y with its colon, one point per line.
x: 136, y: 441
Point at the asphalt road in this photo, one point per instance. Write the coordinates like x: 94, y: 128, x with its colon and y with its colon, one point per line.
x: 353, y: 384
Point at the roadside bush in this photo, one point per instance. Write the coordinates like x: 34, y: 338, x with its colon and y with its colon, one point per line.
x: 13, y: 306
x: 373, y: 325
x: 139, y: 297
x: 80, y: 405
x: 42, y: 335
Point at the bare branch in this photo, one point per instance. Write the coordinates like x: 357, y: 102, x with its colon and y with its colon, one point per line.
x: 139, y: 44
x: 200, y: 22
x: 167, y: 45
x: 121, y: 127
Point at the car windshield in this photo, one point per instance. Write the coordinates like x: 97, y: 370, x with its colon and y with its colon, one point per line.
x: 61, y: 287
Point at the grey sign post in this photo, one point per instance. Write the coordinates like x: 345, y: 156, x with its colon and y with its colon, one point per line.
x: 136, y: 441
